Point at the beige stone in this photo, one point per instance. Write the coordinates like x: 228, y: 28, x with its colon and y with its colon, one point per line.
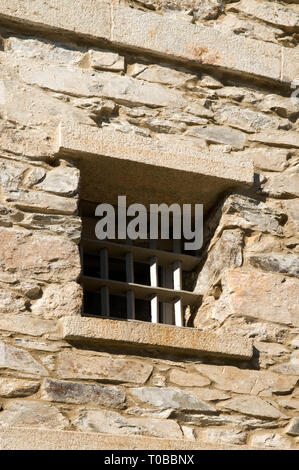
x: 103, y: 60
x: 113, y: 423
x: 12, y: 388
x: 26, y: 324
x: 38, y: 200
x: 32, y: 414
x: 293, y: 427
x: 283, y: 106
x: 194, y: 43
x: 224, y: 436
x: 43, y: 50
x: 187, y: 379
x: 285, y: 184
x: 269, y: 159
x: 171, y: 398
x: 262, y: 383
x: 165, y: 75
x: 73, y: 365
x: 89, y: 19
x: 263, y: 296
x: 219, y: 135
x: 253, y: 406
x: 153, y: 336
x: 19, y: 360
x: 277, y: 138
x: 277, y: 15
x: 248, y: 120
x: 289, y: 367
x: 48, y: 257
x: 59, y: 300
x: 270, y: 440
x: 11, y: 302
x: 13, y: 438
x: 75, y: 392
x: 158, y: 161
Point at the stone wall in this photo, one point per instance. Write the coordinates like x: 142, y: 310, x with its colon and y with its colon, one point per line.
x: 216, y: 99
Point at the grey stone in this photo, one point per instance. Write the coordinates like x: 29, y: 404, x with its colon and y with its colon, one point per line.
x: 43, y: 50
x: 262, y: 383
x: 219, y: 135
x: 12, y: 388
x: 224, y: 436
x: 290, y: 367
x: 63, y: 180
x: 171, y: 398
x: 32, y: 414
x: 248, y: 120
x: 110, y: 422
x: 293, y: 427
x: 277, y: 138
x: 165, y: 75
x: 70, y: 227
x: 20, y: 360
x: 226, y: 253
x: 76, y: 392
x: 283, y: 106
x: 38, y: 200
x: 277, y: 262
x: 252, y: 406
x: 270, y: 440
x: 74, y: 365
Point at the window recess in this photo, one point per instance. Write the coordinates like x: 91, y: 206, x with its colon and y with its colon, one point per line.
x: 129, y: 280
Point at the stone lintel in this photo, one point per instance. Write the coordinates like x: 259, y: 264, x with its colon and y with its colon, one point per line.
x: 146, y: 32
x: 154, y: 337
x: 175, y: 171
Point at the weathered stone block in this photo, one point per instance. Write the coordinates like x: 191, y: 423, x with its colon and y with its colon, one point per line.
x: 26, y: 324
x: 293, y: 427
x: 75, y: 392
x: 151, y: 336
x: 172, y: 38
x: 219, y: 135
x: 262, y: 383
x: 20, y: 360
x: 86, y: 18
x: 73, y: 365
x: 276, y: 262
x: 113, y: 423
x: 187, y: 379
x: 253, y: 406
x: 63, y: 180
x: 269, y: 297
x: 59, y: 300
x: 171, y: 398
x: 12, y: 388
x: 32, y: 414
x: 38, y: 255
x: 224, y: 436
x: 103, y: 60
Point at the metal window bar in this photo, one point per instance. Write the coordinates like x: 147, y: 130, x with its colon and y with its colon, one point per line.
x: 171, y: 281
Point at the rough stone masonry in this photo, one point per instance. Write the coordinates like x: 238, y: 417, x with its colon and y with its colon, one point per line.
x: 215, y: 77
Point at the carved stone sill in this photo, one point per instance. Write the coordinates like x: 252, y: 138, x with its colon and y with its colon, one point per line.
x: 154, y: 337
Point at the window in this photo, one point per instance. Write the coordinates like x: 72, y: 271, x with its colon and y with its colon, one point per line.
x: 140, y: 280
